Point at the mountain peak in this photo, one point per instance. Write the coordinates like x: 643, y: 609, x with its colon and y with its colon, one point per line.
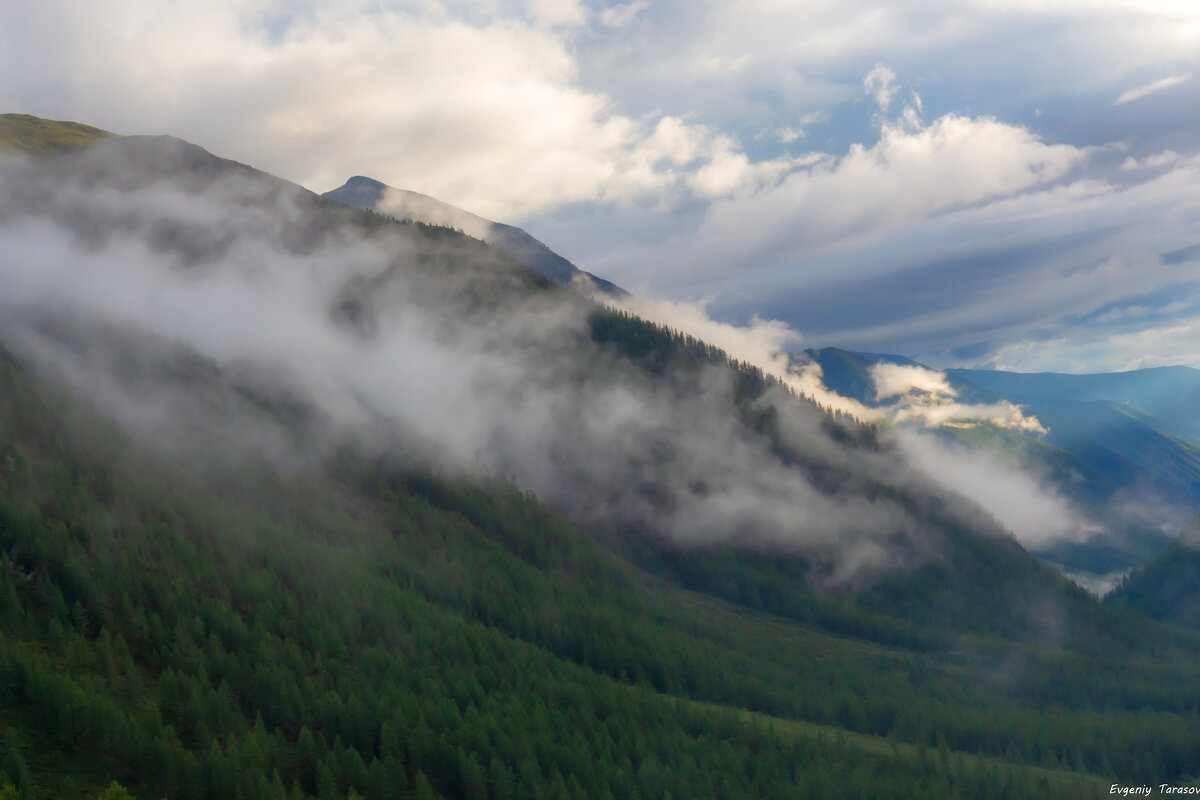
x: 368, y: 193
x: 363, y: 181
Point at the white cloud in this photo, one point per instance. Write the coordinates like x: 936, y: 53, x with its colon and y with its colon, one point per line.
x: 557, y: 13
x: 579, y: 116
x: 890, y: 249
x: 881, y: 82
x: 1023, y: 502
x: 763, y: 342
x: 832, y: 203
x: 676, y: 140
x: 967, y: 47
x: 1151, y: 88
x: 1081, y: 350
x: 432, y: 377
x: 621, y: 15
x: 893, y: 380
x: 1097, y: 584
x: 935, y: 413
x: 926, y: 398
x: 789, y: 135
x: 729, y: 171
x: 486, y: 114
x: 1164, y: 159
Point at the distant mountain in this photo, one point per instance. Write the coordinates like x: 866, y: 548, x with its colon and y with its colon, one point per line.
x: 1123, y: 446
x: 1139, y: 427
x: 849, y: 374
x: 369, y: 194
x: 1166, y: 397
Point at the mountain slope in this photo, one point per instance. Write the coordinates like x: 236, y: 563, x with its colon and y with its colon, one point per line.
x: 365, y: 193
x: 240, y: 635
x: 1167, y: 587
x: 216, y: 599
x: 257, y: 546
x: 26, y: 134
x: 850, y: 509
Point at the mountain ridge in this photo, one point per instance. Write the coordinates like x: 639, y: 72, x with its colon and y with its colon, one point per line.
x: 372, y: 195
x: 1169, y: 393
x: 28, y: 134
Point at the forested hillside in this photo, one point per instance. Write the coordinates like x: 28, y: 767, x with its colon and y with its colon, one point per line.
x: 368, y: 630
x: 444, y: 529
x: 1168, y: 588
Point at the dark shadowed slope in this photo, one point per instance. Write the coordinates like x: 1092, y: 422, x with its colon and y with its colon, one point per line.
x: 372, y: 195
x: 1167, y: 588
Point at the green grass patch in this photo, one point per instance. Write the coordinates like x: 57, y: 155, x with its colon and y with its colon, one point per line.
x: 28, y: 134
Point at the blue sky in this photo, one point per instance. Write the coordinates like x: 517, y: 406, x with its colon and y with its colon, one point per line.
x: 978, y: 183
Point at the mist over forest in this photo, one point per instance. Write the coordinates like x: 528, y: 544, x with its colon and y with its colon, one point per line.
x: 589, y: 400
x: 216, y: 311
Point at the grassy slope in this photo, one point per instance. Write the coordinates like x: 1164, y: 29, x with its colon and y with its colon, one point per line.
x: 29, y: 134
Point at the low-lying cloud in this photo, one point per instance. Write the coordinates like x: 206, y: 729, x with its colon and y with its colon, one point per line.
x: 1023, y: 501
x: 917, y: 401
x: 222, y: 311
x: 897, y: 380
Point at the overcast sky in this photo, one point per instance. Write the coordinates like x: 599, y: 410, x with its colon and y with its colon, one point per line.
x: 978, y: 183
